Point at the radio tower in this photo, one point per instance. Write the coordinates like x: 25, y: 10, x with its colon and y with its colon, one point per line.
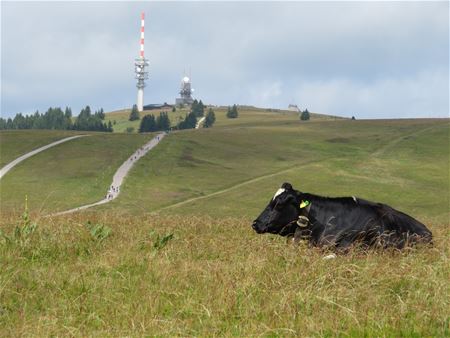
x: 141, y: 74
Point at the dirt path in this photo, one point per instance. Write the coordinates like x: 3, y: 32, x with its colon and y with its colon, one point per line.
x: 375, y: 154
x: 114, y: 190
x: 199, y: 122
x: 239, y: 185
x: 12, y: 164
x: 397, y: 140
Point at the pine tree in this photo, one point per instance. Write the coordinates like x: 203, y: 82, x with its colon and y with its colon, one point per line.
x: 305, y: 115
x: 194, y: 105
x: 110, y: 127
x: 148, y: 124
x: 134, y: 115
x: 68, y: 118
x: 163, y: 121
x: 232, y: 112
x: 200, y: 109
x: 68, y: 113
x: 209, y: 119
x: 189, y: 122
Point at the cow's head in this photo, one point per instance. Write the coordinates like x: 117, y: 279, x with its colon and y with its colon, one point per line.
x: 281, y: 214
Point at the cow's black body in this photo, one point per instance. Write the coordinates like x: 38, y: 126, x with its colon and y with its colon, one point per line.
x: 339, y: 222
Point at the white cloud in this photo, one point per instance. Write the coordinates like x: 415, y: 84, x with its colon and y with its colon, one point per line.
x: 418, y: 96
x: 265, y: 93
x: 338, y: 57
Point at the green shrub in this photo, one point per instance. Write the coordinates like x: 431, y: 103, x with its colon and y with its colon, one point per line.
x: 98, y: 232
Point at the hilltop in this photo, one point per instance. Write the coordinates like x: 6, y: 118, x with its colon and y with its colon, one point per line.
x: 249, y: 115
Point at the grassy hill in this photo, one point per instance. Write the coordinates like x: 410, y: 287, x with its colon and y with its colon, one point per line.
x: 241, y: 167
x: 67, y: 175
x: 248, y: 116
x: 175, y: 255
x: 14, y: 143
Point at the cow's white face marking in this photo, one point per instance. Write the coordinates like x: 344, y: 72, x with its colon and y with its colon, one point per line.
x: 278, y: 193
x: 354, y: 198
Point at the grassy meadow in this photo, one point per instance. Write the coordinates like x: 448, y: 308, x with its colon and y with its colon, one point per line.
x: 203, y: 276
x: 248, y: 117
x: 68, y: 175
x: 175, y: 254
x: 14, y: 143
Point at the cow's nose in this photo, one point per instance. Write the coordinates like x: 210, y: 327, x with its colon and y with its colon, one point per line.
x: 254, y: 224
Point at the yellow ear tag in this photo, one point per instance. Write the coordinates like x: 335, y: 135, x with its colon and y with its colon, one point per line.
x: 304, y: 204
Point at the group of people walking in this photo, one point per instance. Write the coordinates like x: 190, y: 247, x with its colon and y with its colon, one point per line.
x: 114, y: 191
x: 111, y: 192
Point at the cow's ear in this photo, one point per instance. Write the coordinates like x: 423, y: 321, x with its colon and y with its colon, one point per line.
x: 286, y: 186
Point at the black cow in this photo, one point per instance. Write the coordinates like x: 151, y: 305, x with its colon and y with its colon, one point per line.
x: 338, y: 222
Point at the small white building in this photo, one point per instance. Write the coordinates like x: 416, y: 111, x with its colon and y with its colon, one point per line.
x: 293, y: 107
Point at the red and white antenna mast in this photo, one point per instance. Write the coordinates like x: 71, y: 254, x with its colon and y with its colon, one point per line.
x: 142, y: 34
x: 140, y: 68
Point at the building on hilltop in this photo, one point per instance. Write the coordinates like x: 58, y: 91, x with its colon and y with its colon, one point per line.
x: 293, y: 107
x: 185, y: 92
x: 158, y: 106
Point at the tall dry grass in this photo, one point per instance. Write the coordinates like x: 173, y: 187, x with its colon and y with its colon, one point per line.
x: 199, y: 276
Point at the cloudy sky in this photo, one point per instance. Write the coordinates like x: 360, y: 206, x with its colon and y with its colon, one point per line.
x: 368, y: 59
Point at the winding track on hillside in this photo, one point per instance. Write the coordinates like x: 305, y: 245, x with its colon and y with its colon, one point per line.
x: 12, y: 164
x: 373, y: 155
x: 199, y: 122
x: 119, y: 175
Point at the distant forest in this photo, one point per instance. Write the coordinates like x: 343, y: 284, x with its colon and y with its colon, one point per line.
x: 56, y: 118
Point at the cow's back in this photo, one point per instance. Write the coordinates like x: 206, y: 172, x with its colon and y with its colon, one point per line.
x: 342, y: 221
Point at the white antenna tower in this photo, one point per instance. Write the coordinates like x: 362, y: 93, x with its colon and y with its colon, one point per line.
x: 141, y: 74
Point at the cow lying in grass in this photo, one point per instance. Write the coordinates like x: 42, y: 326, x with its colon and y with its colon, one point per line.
x: 338, y: 222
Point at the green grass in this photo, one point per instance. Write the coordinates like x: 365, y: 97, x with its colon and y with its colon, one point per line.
x: 68, y: 175
x: 196, y: 268
x: 200, y: 276
x: 14, y: 143
x: 369, y: 159
x: 248, y: 117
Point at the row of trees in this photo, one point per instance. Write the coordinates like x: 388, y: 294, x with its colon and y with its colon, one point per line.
x: 149, y: 123
x: 190, y: 121
x: 56, y: 118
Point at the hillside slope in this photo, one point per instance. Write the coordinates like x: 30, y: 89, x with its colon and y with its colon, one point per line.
x: 14, y: 143
x: 68, y: 175
x: 402, y: 163
x: 196, y: 268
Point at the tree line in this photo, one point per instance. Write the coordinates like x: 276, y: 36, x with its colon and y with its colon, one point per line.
x: 151, y: 122
x: 56, y: 118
